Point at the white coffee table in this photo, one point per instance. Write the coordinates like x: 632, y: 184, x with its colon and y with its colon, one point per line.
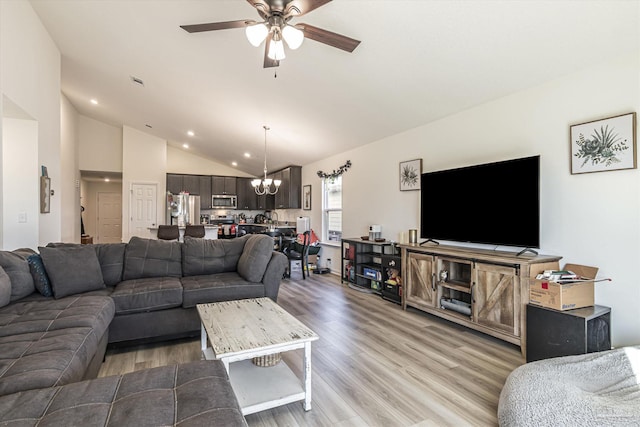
x: 237, y: 331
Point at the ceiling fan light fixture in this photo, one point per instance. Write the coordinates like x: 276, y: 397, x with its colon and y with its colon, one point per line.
x: 293, y: 36
x: 276, y: 50
x: 257, y: 33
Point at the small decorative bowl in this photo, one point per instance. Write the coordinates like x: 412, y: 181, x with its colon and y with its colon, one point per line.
x: 364, y: 237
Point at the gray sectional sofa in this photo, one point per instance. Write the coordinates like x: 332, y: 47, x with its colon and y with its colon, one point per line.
x: 62, y: 305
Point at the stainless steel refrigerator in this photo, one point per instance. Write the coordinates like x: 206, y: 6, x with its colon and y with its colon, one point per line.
x: 183, y: 209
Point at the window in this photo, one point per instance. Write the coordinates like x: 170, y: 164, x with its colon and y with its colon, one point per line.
x: 332, y: 209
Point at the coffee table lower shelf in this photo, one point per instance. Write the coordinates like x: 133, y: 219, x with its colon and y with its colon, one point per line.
x: 260, y: 388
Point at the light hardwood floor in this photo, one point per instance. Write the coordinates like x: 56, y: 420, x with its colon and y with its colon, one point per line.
x: 374, y: 365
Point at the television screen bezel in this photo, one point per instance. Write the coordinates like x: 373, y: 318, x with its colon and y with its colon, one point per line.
x: 532, y: 203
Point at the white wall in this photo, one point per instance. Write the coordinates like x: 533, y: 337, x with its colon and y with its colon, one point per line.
x: 21, y: 184
x: 181, y: 161
x: 30, y: 77
x: 144, y: 161
x: 100, y: 146
x: 69, y: 172
x: 591, y: 219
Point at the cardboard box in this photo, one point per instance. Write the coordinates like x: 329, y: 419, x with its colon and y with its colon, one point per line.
x: 564, y: 296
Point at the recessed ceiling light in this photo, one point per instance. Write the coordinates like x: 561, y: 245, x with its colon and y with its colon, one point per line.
x: 185, y: 145
x: 247, y: 155
x: 190, y: 133
x: 234, y: 163
x: 106, y: 180
x: 94, y: 101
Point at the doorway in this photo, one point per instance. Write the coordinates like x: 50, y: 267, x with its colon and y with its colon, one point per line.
x: 109, y: 218
x: 143, y: 208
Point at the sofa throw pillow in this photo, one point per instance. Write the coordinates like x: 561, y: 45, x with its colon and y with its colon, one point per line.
x: 152, y: 258
x: 5, y: 288
x: 211, y: 256
x: 17, y: 268
x: 111, y: 258
x: 39, y: 274
x: 72, y: 270
x: 255, y: 257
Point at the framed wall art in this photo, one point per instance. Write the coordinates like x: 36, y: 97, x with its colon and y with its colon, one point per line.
x: 410, y: 172
x: 604, y: 145
x: 306, y: 197
x: 45, y: 194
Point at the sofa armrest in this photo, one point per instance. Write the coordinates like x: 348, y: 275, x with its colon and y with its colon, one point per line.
x: 273, y: 274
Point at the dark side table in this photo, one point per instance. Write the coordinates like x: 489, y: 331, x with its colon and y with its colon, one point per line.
x: 553, y: 333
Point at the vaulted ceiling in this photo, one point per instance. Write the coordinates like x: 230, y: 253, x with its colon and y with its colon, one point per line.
x: 419, y: 60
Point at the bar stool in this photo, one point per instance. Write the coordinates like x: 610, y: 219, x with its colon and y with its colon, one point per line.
x: 194, y: 231
x: 168, y: 232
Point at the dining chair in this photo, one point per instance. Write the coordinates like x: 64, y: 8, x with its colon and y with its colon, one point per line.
x: 302, y: 256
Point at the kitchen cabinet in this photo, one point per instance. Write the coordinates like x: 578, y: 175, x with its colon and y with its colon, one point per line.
x: 205, y: 191
x: 481, y: 289
x: 174, y: 183
x: 266, y: 202
x: 177, y: 182
x: 288, y: 195
x: 223, y: 185
x: 191, y: 184
x: 247, y: 197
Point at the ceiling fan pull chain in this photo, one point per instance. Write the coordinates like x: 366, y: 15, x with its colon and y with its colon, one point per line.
x: 275, y: 73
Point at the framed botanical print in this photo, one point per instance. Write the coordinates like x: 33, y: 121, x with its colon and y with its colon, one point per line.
x: 45, y: 194
x: 306, y: 197
x: 410, y: 172
x: 604, y: 145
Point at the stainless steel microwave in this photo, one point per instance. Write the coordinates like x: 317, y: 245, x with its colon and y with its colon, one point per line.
x: 224, y: 201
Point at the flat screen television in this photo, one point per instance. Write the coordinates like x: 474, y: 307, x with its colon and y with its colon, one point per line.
x: 494, y: 203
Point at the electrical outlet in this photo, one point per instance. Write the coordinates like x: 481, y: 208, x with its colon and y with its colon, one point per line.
x: 22, y: 217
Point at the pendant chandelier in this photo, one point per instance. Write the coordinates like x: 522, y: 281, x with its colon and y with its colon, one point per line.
x: 263, y: 186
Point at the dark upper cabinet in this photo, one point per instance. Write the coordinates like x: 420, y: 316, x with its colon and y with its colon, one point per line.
x: 205, y: 191
x: 223, y: 185
x: 247, y: 197
x: 174, y: 183
x: 191, y: 184
x: 266, y: 203
x: 288, y: 195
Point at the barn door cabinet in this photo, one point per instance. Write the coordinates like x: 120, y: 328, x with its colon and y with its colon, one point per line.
x: 482, y: 289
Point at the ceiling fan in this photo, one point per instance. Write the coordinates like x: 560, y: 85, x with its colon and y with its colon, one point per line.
x: 275, y: 28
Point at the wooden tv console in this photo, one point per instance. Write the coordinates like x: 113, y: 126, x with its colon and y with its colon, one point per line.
x: 482, y: 289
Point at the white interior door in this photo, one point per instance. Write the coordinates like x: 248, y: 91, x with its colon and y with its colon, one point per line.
x: 109, y: 218
x: 143, y: 207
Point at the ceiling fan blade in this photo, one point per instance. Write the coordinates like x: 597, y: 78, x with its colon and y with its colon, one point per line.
x: 301, y: 7
x: 268, y: 62
x: 212, y: 26
x: 327, y: 37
